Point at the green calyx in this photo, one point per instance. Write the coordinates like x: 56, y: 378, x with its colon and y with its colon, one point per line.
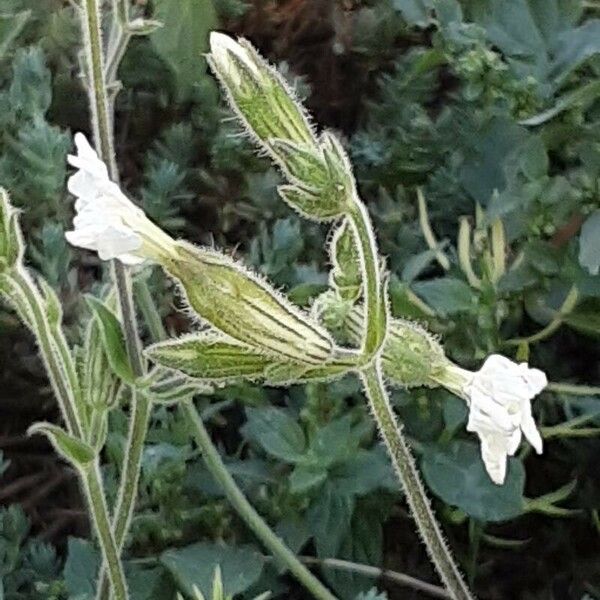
x: 411, y: 356
x: 242, y: 306
x: 213, y: 358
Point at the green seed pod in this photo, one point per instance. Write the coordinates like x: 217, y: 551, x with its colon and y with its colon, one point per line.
x: 239, y: 304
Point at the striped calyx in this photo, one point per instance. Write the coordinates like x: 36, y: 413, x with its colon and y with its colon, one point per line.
x: 239, y: 304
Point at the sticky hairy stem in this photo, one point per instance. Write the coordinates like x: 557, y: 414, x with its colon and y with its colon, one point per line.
x: 406, y: 469
x: 31, y: 303
x: 92, y: 484
x: 140, y: 406
x: 247, y: 512
x: 372, y: 287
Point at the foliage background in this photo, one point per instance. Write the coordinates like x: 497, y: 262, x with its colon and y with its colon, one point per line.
x: 480, y: 104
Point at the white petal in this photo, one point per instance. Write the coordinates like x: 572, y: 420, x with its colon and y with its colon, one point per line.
x: 487, y: 413
x: 532, y: 433
x: 221, y: 46
x: 536, y: 380
x: 513, y: 442
x: 494, y: 455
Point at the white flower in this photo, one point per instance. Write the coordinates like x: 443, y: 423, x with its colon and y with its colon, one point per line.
x: 499, y: 397
x: 107, y: 221
x: 221, y: 47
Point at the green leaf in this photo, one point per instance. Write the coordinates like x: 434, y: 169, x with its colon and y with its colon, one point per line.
x: 446, y: 295
x: 415, y: 12
x: 183, y: 40
x: 10, y: 28
x: 74, y: 450
x: 589, y: 244
x: 533, y: 158
x: 276, y: 432
x: 329, y: 519
x: 367, y: 471
x: 195, y: 565
x: 585, y: 320
x: 581, y: 97
x: 332, y: 443
x: 538, y: 38
x: 457, y: 475
x: 304, y: 478
x: 81, y: 569
x: 113, y: 339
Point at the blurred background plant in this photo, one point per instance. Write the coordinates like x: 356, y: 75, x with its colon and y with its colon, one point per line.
x: 473, y: 128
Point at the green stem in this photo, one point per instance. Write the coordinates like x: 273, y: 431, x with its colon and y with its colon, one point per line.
x: 247, y: 512
x: 372, y: 287
x: 140, y: 407
x: 32, y: 305
x: 574, y: 389
x: 567, y: 306
x: 149, y: 311
x: 406, y: 470
x: 92, y: 484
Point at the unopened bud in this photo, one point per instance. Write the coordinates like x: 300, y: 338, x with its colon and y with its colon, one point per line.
x: 257, y: 91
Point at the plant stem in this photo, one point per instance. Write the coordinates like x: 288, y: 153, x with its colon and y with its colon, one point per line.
x: 140, y: 406
x: 574, y: 389
x: 372, y: 287
x: 149, y: 311
x: 406, y: 470
x: 377, y: 572
x: 247, y: 512
x: 92, y: 484
x: 32, y: 308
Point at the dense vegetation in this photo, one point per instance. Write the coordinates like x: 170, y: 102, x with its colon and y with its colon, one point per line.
x: 457, y: 116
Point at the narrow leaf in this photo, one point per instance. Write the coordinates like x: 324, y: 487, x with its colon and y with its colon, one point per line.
x: 113, y: 339
x: 71, y: 448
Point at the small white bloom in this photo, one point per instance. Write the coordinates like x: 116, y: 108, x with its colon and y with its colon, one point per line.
x: 107, y: 221
x: 221, y: 46
x: 499, y: 397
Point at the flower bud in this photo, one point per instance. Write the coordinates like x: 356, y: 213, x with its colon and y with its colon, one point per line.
x: 239, y: 304
x: 257, y: 91
x: 11, y: 243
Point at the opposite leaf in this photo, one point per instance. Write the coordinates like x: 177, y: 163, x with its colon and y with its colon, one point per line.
x: 113, y: 339
x: 77, y: 452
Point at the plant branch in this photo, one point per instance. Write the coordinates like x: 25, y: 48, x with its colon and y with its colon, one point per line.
x: 376, y: 572
x: 372, y: 286
x: 140, y: 406
x: 247, y: 512
x: 406, y: 470
x: 32, y: 309
x: 573, y: 389
x: 92, y: 484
